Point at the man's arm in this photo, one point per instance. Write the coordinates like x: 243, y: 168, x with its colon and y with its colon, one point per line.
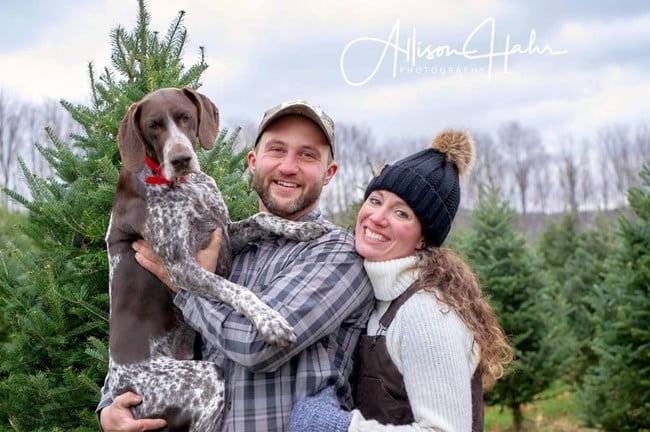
x: 321, y: 288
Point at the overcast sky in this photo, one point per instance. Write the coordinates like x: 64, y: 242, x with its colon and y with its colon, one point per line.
x: 405, y: 68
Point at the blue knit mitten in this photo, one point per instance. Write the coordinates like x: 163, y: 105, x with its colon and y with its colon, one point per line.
x: 320, y: 413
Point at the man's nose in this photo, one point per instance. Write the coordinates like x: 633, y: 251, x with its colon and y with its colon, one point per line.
x: 289, y: 164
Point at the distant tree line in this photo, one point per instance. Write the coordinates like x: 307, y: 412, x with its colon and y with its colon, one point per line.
x: 533, y: 176
x: 24, y: 126
x: 530, y: 174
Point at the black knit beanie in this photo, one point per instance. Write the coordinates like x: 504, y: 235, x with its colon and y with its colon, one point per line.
x: 428, y: 181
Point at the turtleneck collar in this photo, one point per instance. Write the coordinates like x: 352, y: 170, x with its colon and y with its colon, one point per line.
x: 391, y: 278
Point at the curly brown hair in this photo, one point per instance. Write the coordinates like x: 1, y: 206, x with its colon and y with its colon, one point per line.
x: 453, y: 283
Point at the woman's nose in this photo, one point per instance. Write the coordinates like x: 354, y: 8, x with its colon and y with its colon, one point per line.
x: 378, y: 217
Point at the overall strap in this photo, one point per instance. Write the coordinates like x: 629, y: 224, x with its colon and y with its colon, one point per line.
x: 390, y: 313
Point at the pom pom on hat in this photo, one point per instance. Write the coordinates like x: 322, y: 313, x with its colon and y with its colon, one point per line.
x: 459, y: 147
x: 428, y: 181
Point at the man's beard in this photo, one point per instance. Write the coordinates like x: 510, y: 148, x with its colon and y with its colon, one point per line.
x: 307, y: 199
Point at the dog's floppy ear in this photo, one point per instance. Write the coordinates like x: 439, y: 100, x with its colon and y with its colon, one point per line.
x: 208, y: 117
x: 130, y: 140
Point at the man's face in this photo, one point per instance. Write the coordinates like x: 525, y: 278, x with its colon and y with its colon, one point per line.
x: 290, y: 165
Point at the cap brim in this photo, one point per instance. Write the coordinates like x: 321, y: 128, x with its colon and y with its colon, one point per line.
x: 298, y: 109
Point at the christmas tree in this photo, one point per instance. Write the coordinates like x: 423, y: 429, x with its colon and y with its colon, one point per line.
x: 575, y: 260
x: 54, y: 352
x: 616, y: 391
x: 526, y: 307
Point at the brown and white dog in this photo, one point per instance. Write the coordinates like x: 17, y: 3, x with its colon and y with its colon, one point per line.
x: 163, y: 197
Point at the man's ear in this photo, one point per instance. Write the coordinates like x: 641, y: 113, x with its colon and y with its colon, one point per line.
x: 252, y: 161
x: 329, y: 174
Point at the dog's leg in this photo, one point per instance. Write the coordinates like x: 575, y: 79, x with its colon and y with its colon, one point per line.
x: 188, y: 394
x: 272, y: 326
x: 254, y: 227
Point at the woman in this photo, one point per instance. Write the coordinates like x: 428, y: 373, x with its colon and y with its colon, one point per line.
x: 432, y: 338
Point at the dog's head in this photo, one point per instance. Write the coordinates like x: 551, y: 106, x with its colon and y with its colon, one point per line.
x: 164, y: 125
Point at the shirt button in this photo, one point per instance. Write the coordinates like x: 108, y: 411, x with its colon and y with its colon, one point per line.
x: 228, y: 405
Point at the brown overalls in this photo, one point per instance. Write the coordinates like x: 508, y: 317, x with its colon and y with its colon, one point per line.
x: 379, y: 392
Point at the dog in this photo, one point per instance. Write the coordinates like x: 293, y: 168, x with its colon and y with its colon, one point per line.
x: 163, y: 197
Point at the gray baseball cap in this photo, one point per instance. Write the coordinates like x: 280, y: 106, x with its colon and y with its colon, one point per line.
x: 301, y: 108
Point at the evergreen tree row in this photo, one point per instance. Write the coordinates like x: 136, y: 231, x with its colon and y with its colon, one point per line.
x: 576, y: 307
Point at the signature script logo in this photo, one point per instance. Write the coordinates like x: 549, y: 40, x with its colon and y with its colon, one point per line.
x: 414, y: 50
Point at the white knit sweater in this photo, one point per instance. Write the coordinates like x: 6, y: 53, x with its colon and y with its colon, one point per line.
x: 430, y: 346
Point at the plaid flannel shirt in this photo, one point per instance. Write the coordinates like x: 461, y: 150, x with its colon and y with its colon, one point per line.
x: 321, y: 288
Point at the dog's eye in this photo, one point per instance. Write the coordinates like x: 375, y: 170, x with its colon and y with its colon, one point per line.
x: 154, y: 125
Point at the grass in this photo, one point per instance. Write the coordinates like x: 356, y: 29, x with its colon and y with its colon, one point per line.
x: 553, y: 414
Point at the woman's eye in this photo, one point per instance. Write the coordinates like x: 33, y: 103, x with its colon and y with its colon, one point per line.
x: 402, y: 214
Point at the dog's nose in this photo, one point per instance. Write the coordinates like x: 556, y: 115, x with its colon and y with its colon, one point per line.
x: 181, y: 161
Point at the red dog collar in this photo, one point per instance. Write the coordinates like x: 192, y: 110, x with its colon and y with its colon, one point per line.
x: 158, y: 178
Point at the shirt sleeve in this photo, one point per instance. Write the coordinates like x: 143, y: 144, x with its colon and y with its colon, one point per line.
x: 105, y: 401
x: 324, y: 285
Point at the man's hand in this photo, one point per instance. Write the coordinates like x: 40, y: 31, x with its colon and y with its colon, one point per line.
x: 207, y: 258
x: 118, y: 417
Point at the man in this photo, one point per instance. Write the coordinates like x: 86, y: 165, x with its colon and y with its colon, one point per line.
x: 319, y: 286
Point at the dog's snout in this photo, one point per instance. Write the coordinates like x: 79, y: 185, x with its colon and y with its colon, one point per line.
x: 181, y: 161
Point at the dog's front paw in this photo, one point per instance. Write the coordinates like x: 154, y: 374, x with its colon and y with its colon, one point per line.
x: 276, y: 330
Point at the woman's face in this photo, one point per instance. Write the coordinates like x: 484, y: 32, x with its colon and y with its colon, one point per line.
x: 387, y: 228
